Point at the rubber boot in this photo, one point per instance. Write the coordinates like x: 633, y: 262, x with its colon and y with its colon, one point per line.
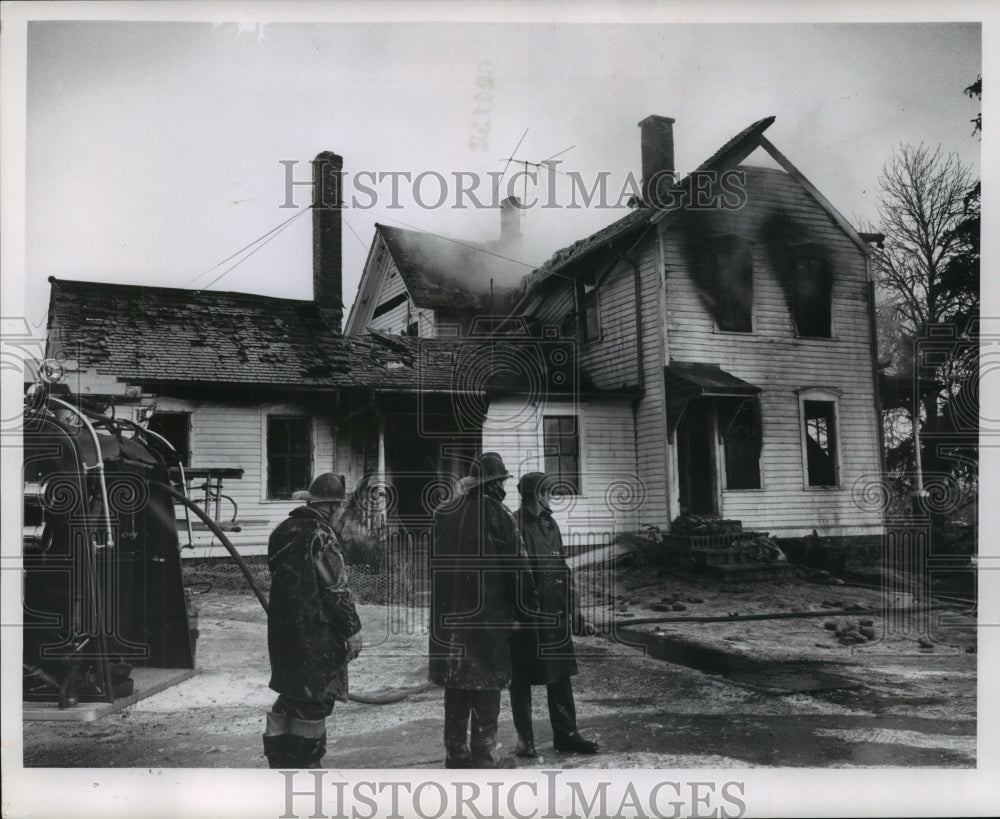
x: 294, y: 743
x: 276, y: 746
x: 562, y: 714
x: 309, y: 741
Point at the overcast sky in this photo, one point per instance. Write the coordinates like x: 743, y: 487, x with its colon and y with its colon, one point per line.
x: 155, y: 149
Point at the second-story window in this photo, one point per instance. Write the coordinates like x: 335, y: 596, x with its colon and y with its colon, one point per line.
x: 812, y: 291
x: 729, y: 262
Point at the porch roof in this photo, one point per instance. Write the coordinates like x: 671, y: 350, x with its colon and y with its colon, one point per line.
x: 687, y: 380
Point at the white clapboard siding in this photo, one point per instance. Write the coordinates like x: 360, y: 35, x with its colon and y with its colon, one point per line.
x: 379, y: 282
x: 555, y: 302
x: 775, y: 360
x: 611, y: 497
x: 428, y: 325
x: 232, y: 436
x: 611, y: 361
x: 395, y: 320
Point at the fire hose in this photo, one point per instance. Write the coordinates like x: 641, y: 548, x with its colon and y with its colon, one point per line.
x: 367, y: 699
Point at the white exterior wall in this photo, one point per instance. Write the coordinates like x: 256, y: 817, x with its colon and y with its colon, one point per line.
x: 233, y: 436
x: 393, y: 321
x: 611, y: 497
x: 780, y: 363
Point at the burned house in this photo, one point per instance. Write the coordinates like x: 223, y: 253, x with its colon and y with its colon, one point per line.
x: 258, y: 394
x: 517, y: 385
x: 709, y: 353
x: 721, y: 345
x: 738, y: 304
x: 425, y: 285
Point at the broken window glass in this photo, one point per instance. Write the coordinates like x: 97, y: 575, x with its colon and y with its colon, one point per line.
x: 821, y: 442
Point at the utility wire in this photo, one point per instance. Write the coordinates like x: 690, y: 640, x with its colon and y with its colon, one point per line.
x: 360, y: 242
x: 271, y: 235
x: 274, y: 230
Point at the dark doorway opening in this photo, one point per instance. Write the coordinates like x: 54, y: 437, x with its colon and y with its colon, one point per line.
x: 696, y: 459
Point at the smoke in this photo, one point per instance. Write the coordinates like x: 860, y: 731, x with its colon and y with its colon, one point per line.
x: 444, y: 269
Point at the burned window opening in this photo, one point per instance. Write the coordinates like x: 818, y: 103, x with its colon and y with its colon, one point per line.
x: 741, y: 441
x: 289, y: 455
x: 562, y: 452
x: 812, y: 294
x: 176, y: 428
x: 721, y: 267
x: 729, y: 262
x: 820, y: 419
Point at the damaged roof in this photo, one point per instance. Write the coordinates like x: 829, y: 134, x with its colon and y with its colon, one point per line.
x: 450, y: 274
x: 139, y: 334
x: 733, y: 151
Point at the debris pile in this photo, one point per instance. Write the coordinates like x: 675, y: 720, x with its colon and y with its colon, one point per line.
x: 695, y: 525
x: 852, y: 632
x: 675, y: 602
x: 759, y: 547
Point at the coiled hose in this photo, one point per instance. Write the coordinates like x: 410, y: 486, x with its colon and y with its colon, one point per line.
x: 367, y: 699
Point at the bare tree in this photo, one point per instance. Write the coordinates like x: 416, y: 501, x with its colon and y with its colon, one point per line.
x: 925, y: 279
x: 922, y: 203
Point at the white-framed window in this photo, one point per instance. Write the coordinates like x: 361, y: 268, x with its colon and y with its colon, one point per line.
x: 819, y: 411
x: 288, y: 453
x: 561, y: 441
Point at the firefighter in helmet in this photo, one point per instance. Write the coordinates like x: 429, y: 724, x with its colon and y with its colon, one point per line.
x: 312, y: 626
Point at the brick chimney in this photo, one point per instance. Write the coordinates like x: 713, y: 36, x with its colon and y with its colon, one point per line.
x: 657, y: 153
x: 510, y: 223
x: 327, y: 275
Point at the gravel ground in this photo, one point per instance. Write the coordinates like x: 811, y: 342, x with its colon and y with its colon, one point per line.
x: 898, y: 704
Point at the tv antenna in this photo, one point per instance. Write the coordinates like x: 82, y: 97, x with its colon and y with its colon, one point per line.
x: 513, y: 159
